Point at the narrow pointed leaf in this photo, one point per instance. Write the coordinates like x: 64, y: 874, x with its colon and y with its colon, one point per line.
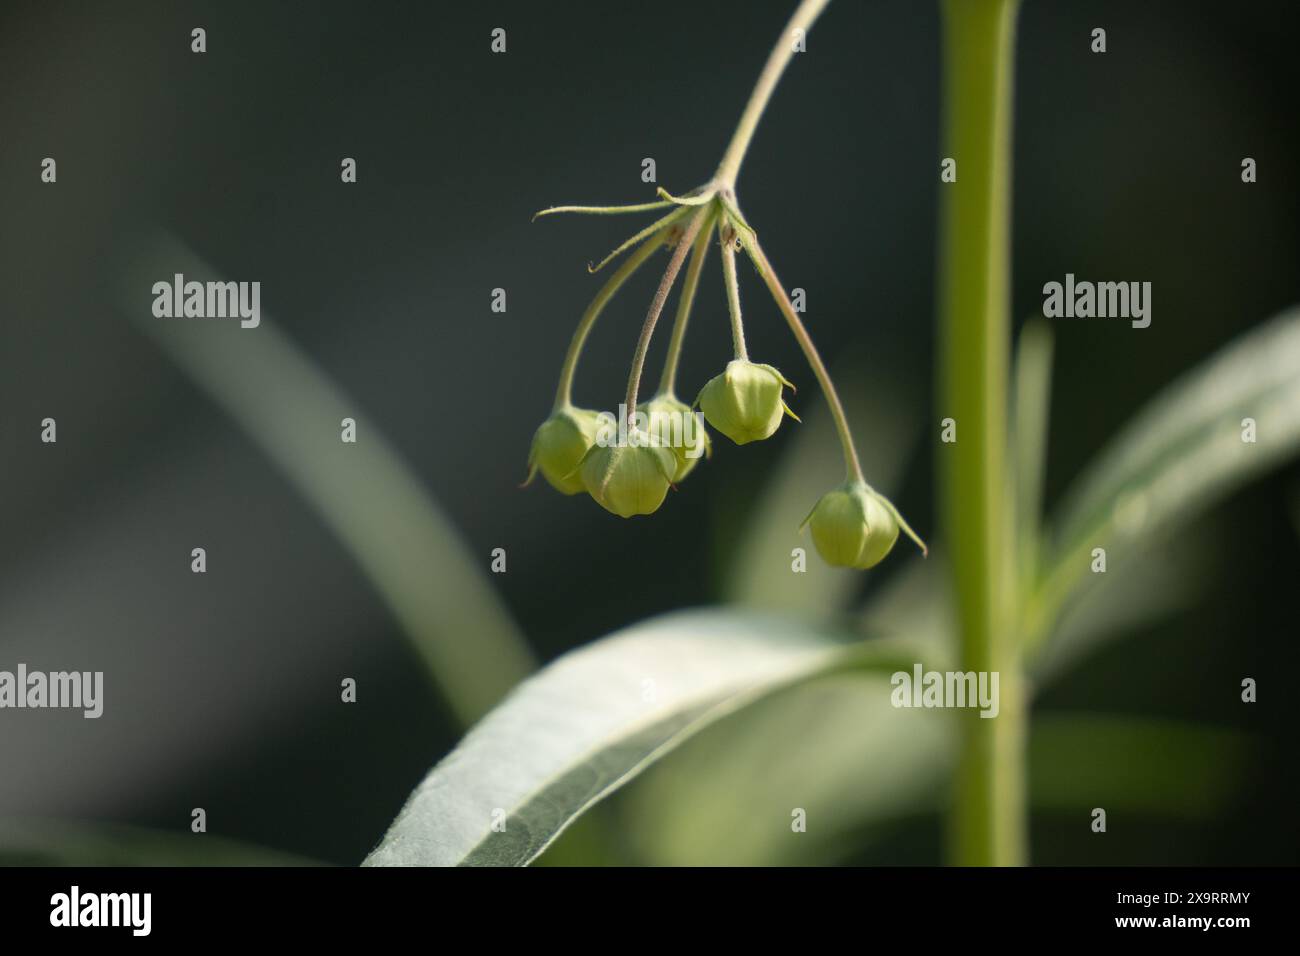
x: 1182, y: 452
x: 603, y: 210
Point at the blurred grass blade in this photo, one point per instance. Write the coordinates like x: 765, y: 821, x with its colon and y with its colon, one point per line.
x: 1169, y: 580
x: 364, y: 492
x: 1154, y: 767
x: 759, y: 574
x: 27, y: 842
x: 594, y: 719
x: 833, y: 747
x: 1032, y: 397
x: 820, y: 747
x: 1182, y: 452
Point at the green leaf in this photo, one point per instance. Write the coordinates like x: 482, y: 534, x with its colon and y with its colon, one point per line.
x: 1180, y: 454
x: 593, y: 720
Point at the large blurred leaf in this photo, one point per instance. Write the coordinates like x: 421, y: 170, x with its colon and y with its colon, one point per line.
x: 1169, y: 578
x: 1183, y: 451
x: 726, y: 796
x: 366, y: 494
x: 837, y: 749
x: 595, y: 718
x: 833, y: 747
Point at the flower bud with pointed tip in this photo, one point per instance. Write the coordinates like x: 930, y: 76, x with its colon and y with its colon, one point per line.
x: 677, y: 428
x: 629, y: 479
x: 853, y: 526
x: 559, y: 446
x: 744, y: 402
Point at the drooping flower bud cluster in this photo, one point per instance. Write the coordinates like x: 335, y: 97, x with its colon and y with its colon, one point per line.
x: 628, y: 466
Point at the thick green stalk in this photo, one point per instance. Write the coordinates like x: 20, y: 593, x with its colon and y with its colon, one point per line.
x: 988, y: 816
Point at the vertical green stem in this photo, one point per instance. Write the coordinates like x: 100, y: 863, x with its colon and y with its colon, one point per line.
x: 988, y: 816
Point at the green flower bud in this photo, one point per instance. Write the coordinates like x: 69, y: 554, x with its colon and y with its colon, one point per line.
x: 676, y: 427
x: 630, y: 479
x: 560, y: 444
x: 853, y: 526
x: 744, y: 402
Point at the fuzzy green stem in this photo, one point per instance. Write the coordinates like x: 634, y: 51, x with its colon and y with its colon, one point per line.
x: 668, y: 380
x: 657, y: 306
x: 733, y: 293
x: 802, y: 20
x: 987, y: 820
x: 852, y: 467
x: 564, y: 392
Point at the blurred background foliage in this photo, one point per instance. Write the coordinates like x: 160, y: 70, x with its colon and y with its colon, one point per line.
x: 223, y: 689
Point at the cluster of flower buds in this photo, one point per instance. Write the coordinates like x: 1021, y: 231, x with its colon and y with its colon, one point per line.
x: 628, y: 462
